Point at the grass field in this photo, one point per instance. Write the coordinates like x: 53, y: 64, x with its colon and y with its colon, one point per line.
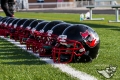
x: 17, y: 64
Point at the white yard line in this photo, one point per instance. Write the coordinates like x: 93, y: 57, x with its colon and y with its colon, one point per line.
x: 63, y: 67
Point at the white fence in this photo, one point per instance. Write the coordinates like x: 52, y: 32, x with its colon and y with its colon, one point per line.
x: 105, y: 2
x: 26, y: 5
x: 97, y: 2
x: 52, y: 4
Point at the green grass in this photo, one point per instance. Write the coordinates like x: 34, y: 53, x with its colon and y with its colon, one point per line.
x: 16, y: 65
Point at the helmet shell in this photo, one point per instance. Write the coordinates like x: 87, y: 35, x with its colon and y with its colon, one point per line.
x: 50, y: 25
x: 86, y: 35
x: 59, y: 28
x: 41, y: 25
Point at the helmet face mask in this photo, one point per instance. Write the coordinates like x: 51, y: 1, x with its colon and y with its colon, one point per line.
x: 66, y: 49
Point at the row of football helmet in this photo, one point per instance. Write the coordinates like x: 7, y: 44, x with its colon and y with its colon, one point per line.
x: 61, y: 41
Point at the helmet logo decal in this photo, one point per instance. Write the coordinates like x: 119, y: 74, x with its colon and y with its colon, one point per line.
x: 84, y: 34
x: 88, y: 39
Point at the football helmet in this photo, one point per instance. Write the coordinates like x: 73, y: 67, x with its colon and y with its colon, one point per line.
x: 78, y: 43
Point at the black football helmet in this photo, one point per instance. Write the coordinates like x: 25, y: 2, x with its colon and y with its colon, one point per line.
x: 78, y: 43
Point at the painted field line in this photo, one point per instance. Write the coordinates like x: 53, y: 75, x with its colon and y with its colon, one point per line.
x: 63, y: 67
